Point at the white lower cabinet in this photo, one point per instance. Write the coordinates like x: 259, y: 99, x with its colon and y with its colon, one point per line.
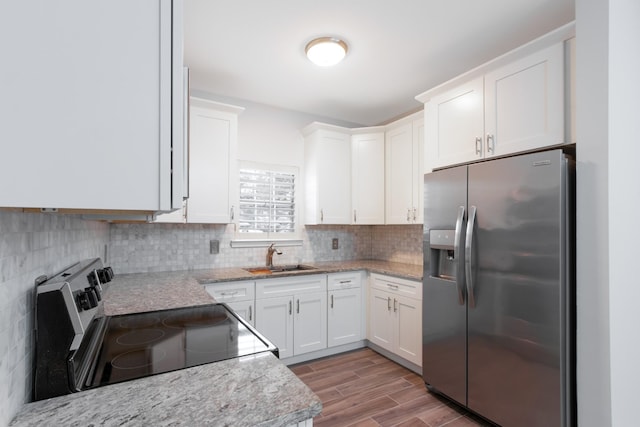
x: 240, y: 296
x: 344, y: 317
x: 395, y: 316
x: 292, y: 313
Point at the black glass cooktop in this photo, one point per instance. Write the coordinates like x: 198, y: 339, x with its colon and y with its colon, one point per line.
x: 143, y: 344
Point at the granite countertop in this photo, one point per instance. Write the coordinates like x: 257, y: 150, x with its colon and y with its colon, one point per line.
x: 406, y: 271
x: 251, y: 391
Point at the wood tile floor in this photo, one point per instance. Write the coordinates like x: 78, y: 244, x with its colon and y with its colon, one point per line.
x: 364, y: 389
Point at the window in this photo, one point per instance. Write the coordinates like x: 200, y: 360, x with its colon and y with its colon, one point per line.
x: 267, y: 201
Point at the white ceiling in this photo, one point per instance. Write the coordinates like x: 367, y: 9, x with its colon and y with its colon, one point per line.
x: 254, y: 49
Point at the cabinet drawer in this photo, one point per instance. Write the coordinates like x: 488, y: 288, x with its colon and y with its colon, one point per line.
x: 275, y: 287
x: 348, y: 280
x: 231, y: 291
x: 396, y: 285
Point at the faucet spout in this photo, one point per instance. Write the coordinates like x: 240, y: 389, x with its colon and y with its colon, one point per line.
x: 270, y: 253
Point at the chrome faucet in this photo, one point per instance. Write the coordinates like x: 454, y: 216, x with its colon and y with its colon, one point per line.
x: 270, y: 253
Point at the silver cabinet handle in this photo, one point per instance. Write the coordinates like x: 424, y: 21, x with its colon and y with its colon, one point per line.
x: 409, y: 215
x: 490, y: 146
x: 467, y: 256
x: 457, y: 240
x: 478, y: 145
x: 395, y: 305
x: 331, y: 300
x: 290, y: 312
x: 342, y: 282
x: 392, y: 286
x: 298, y: 306
x: 232, y: 213
x: 389, y: 303
x: 250, y: 313
x: 354, y: 216
x: 230, y: 294
x: 321, y: 215
x: 415, y: 214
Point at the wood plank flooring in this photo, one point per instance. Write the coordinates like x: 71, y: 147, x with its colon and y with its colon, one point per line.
x: 364, y: 389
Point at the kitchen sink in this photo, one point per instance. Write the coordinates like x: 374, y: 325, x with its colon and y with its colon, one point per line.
x: 279, y: 269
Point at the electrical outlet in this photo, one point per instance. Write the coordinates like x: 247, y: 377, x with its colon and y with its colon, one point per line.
x: 214, y: 247
x: 334, y: 243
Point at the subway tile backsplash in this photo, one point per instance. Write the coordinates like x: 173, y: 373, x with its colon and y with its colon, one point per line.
x: 32, y: 245
x: 36, y: 244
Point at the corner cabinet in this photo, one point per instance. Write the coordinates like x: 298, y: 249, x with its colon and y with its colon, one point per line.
x: 106, y: 82
x: 519, y: 102
x: 367, y: 176
x: 292, y: 313
x: 395, y: 316
x: 404, y: 145
x: 327, y: 174
x: 240, y: 296
x: 213, y: 187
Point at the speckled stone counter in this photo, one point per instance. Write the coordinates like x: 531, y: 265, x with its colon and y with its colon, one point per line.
x: 252, y: 391
x: 406, y: 271
x: 137, y: 293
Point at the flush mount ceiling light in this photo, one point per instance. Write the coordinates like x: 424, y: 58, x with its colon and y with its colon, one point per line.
x: 326, y: 51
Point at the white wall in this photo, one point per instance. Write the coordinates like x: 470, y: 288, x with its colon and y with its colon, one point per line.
x: 608, y: 198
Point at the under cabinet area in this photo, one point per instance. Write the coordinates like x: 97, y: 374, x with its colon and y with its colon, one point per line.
x: 292, y: 313
x: 240, y: 296
x: 212, y: 198
x: 395, y: 316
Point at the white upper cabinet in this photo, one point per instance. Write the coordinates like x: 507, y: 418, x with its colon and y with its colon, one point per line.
x: 213, y: 187
x: 518, y: 102
x: 403, y: 177
x: 106, y: 83
x: 367, y: 176
x: 327, y: 174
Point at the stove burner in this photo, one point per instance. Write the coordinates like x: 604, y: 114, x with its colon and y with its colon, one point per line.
x: 140, y: 336
x: 137, y: 322
x: 136, y: 359
x: 203, y: 318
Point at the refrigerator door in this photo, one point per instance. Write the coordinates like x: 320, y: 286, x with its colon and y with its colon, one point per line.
x: 444, y: 312
x: 516, y: 323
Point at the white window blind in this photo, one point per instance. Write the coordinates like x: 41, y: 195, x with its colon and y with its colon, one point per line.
x: 267, y: 202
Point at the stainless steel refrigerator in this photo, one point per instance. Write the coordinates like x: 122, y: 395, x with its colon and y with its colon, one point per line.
x: 498, y: 305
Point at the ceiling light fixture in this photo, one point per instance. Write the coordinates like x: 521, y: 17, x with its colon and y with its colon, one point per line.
x: 326, y: 51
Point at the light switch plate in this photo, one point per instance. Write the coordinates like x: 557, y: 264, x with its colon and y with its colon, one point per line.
x: 214, y: 247
x: 334, y: 243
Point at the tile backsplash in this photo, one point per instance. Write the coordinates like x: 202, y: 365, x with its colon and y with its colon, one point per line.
x: 165, y: 247
x: 32, y: 245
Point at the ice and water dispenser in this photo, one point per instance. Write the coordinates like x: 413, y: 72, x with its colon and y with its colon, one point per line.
x: 443, y: 262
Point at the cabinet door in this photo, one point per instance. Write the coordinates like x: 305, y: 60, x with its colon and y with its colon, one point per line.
x: 399, y: 175
x: 344, y: 317
x: 212, y: 157
x: 408, y: 313
x: 328, y: 177
x: 381, y: 319
x: 524, y: 103
x: 274, y: 319
x: 454, y: 123
x: 367, y: 173
x: 310, y: 322
x: 245, y: 310
x: 418, y: 171
x: 103, y: 75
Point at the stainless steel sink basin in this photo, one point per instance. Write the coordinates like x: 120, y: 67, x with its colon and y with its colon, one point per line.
x: 279, y: 269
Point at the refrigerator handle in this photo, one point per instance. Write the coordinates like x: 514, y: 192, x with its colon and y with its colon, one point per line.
x: 456, y: 254
x: 467, y: 256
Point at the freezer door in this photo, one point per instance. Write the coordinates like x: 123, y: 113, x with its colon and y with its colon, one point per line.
x: 444, y: 313
x: 517, y: 289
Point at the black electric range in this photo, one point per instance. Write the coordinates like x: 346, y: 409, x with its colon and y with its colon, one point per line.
x: 78, y: 348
